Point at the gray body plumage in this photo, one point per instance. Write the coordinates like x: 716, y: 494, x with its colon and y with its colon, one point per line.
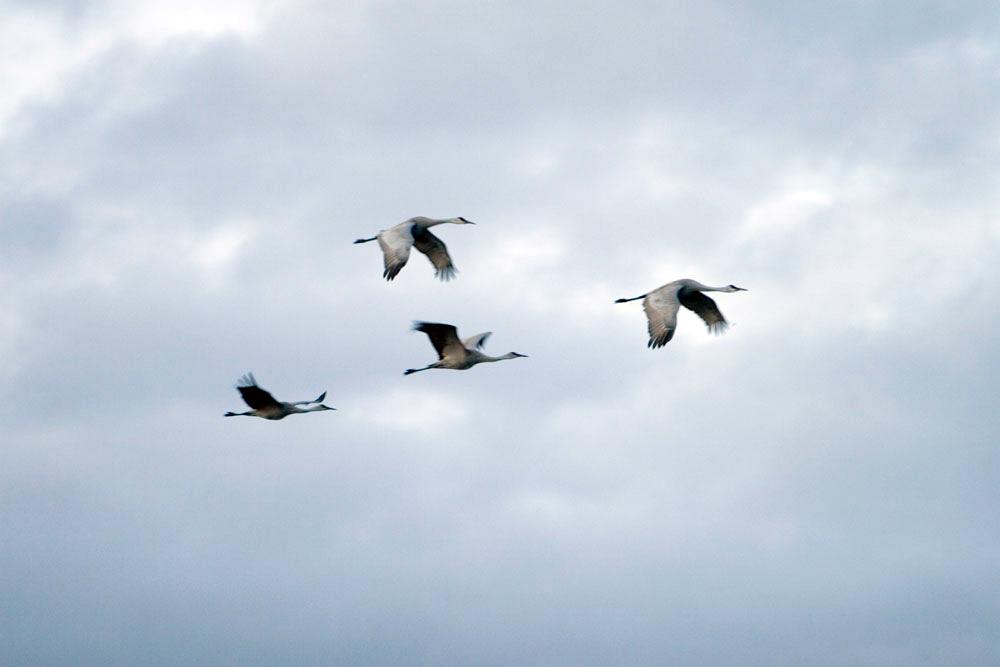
x: 266, y: 406
x: 454, y: 353
x: 661, y: 306
x: 396, y: 242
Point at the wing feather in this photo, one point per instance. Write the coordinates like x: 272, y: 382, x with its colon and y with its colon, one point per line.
x: 444, y: 338
x: 705, y: 308
x: 436, y: 251
x: 661, y: 306
x: 395, y: 244
x: 476, y: 342
x: 253, y: 395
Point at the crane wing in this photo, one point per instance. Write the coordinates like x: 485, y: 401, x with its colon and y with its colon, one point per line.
x: 705, y: 308
x: 661, y: 308
x: 319, y: 399
x: 253, y: 395
x: 477, y: 341
x: 436, y: 251
x: 444, y: 338
x: 395, y: 244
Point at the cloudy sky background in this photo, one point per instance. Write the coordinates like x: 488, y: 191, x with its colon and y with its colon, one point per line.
x: 179, y: 189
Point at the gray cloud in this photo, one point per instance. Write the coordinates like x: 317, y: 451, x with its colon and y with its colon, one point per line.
x: 809, y: 489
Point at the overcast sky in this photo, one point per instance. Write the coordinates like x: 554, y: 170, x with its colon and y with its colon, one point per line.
x: 179, y: 189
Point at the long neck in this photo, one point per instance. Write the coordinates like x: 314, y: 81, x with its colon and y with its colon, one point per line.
x: 430, y: 222
x: 478, y: 357
x: 485, y: 358
x: 706, y: 288
x: 441, y: 221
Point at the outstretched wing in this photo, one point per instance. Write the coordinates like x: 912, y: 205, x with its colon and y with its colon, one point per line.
x: 318, y: 400
x: 477, y: 341
x: 253, y: 395
x: 436, y: 251
x: 395, y: 244
x: 444, y: 338
x: 705, y: 308
x: 661, y: 308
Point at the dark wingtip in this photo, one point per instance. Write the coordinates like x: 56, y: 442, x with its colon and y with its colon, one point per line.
x: 446, y: 275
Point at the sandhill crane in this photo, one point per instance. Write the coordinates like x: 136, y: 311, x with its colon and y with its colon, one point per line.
x: 661, y: 306
x: 396, y: 241
x: 454, y: 353
x: 266, y: 406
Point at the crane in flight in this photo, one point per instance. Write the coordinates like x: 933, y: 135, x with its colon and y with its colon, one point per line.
x: 397, y: 240
x: 266, y: 406
x: 661, y: 306
x: 454, y: 353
